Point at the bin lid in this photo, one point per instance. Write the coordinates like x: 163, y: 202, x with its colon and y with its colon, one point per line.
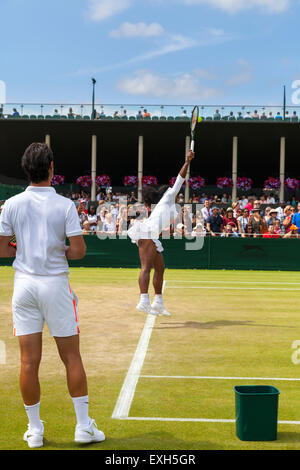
x: 256, y: 390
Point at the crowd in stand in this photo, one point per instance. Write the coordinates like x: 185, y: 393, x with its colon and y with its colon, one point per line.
x: 215, y: 216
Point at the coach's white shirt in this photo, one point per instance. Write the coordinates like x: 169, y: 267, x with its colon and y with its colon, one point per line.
x: 41, y: 220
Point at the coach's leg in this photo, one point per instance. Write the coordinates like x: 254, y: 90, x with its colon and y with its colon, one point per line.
x: 86, y: 429
x: 30, y: 354
x: 68, y: 348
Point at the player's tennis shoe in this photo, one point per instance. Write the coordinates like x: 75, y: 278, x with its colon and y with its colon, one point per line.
x: 146, y: 308
x: 34, y: 437
x: 88, y: 434
x: 160, y: 309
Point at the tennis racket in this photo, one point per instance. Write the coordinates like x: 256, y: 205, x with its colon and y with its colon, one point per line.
x: 13, y: 241
x: 194, y: 120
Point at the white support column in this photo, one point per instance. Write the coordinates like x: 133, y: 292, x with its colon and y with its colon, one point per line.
x: 48, y: 140
x: 94, y: 167
x: 187, y: 187
x: 140, y: 166
x: 234, y: 167
x: 282, y: 169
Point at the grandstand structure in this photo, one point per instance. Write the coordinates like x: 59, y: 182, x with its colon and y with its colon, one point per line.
x: 229, y: 141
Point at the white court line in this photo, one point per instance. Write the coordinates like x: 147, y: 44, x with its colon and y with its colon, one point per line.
x: 207, y: 377
x: 235, y: 288
x: 197, y: 420
x: 128, y: 389
x: 238, y: 282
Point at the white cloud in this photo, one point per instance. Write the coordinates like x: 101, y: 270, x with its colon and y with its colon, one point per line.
x: 101, y: 9
x: 129, y: 30
x: 234, y: 6
x: 182, y: 86
x: 243, y: 76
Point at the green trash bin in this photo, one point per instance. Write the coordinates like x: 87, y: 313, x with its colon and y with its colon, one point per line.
x: 256, y: 409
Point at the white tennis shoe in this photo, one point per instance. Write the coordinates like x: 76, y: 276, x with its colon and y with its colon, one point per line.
x: 34, y: 437
x: 160, y: 309
x: 146, y: 308
x: 88, y: 434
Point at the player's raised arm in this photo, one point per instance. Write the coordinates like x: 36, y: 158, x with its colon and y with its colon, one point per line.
x: 182, y: 174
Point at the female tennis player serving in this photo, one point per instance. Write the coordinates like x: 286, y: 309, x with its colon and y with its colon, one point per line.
x: 146, y: 234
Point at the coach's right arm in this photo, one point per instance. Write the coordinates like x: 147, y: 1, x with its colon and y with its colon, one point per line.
x: 77, y: 247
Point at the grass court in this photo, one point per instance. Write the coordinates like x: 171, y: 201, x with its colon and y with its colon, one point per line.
x: 165, y: 383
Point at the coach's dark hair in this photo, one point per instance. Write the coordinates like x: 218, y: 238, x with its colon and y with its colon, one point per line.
x: 152, y: 195
x: 36, y: 162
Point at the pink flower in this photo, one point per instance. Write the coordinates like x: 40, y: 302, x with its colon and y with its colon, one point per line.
x: 149, y: 181
x: 130, y: 181
x: 57, y: 179
x: 272, y: 183
x: 224, y: 182
x: 84, y: 181
x: 103, y: 180
x: 196, y: 182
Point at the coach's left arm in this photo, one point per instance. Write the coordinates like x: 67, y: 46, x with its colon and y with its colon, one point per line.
x: 6, y: 249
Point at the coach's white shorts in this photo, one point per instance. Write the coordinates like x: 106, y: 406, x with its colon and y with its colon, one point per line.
x: 38, y: 299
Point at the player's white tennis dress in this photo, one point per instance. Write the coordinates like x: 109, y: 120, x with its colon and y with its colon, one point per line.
x: 41, y: 220
x: 160, y: 219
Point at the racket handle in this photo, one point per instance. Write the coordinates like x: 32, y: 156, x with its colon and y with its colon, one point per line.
x: 13, y: 244
x: 192, y: 145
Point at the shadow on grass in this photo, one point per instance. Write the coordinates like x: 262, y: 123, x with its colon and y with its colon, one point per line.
x: 210, y: 325
x: 149, y: 441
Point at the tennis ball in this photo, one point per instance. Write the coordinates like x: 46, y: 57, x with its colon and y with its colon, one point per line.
x: 199, y: 119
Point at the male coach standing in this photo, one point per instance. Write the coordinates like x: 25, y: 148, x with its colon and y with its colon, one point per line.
x: 41, y: 220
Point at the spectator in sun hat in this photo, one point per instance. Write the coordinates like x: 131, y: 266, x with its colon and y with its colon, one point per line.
x: 273, y: 217
x: 229, y: 218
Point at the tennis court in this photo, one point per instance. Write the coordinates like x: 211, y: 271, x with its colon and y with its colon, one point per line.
x: 167, y: 383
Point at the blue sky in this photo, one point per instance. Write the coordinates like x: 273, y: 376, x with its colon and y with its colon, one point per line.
x: 150, y: 51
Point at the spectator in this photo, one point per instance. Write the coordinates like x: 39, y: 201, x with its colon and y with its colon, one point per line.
x: 206, y: 211
x: 146, y: 114
x: 102, y: 114
x: 255, y: 115
x: 248, y: 115
x: 70, y: 113
x: 293, y: 232
x: 296, y: 218
x: 92, y: 218
x: 81, y: 214
x: 229, y: 231
x: 15, y: 113
x: 273, y: 217
x: 1, y: 112
x: 243, y: 222
x: 243, y: 201
x: 229, y: 219
x: 278, y: 116
x: 132, y: 198
x: 214, y: 223
x: 287, y: 221
x: 116, y: 115
x: 224, y: 199
x: 184, y: 114
x: 217, y: 114
x: 109, y: 225
x: 250, y: 204
x: 267, y: 214
x: 86, y: 228
x: 255, y: 222
x: 139, y: 115
x: 270, y: 199
x: 277, y: 227
x: 271, y: 233
x: 199, y: 230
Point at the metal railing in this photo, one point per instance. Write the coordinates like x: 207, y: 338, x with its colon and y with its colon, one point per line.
x: 146, y: 111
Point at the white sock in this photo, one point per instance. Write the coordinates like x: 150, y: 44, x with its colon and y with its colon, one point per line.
x: 33, y: 413
x: 145, y: 298
x: 158, y: 298
x: 81, y: 405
